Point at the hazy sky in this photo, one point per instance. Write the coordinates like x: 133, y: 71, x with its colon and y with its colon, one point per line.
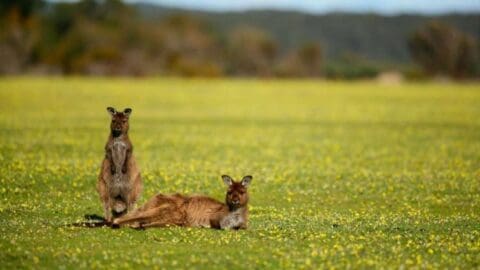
x: 319, y: 6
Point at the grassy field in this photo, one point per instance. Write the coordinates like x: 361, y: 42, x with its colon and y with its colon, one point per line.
x: 345, y: 174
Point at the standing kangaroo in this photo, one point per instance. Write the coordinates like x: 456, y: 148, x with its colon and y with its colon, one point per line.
x: 194, y: 211
x: 119, y: 183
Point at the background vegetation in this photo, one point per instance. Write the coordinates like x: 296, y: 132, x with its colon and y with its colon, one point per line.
x: 346, y: 175
x: 108, y: 37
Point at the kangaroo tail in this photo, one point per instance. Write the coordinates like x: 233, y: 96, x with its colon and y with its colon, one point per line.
x: 92, y: 217
x: 90, y: 224
x: 92, y: 221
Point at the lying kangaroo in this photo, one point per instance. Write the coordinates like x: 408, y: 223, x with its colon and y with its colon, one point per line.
x: 193, y: 211
x: 119, y: 183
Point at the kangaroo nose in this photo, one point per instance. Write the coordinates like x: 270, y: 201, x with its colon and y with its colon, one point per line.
x: 116, y: 132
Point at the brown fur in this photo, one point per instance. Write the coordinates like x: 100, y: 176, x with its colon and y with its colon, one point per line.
x: 194, y: 211
x: 119, y: 183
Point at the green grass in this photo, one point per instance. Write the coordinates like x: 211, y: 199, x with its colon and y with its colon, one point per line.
x: 345, y: 174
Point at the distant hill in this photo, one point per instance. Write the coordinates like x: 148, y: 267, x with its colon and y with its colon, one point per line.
x: 373, y: 36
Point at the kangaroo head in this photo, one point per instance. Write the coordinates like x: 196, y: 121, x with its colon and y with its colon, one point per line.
x: 237, y: 193
x: 119, y: 124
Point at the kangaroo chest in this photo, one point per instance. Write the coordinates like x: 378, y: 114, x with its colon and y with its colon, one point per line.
x: 120, y: 185
x: 233, y: 219
x: 119, y: 153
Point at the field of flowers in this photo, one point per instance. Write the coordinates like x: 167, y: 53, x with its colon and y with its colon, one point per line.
x: 345, y: 174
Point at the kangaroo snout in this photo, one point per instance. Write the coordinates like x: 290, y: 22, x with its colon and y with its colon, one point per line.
x: 116, y: 132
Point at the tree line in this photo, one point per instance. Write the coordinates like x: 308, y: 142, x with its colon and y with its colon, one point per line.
x: 108, y: 37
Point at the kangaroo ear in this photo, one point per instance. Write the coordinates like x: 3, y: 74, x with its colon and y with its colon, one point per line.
x: 246, y: 180
x: 111, y: 110
x: 127, y: 111
x: 227, y: 180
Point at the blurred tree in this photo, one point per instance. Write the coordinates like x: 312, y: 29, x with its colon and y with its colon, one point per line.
x: 251, y: 51
x: 112, y: 12
x: 443, y: 50
x: 351, y: 66
x: 24, y: 8
x: 19, y: 32
x: 305, y: 61
x: 187, y: 48
x: 91, y: 37
x: 310, y: 55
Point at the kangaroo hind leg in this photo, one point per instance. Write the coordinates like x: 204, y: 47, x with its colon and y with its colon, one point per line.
x: 145, y: 216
